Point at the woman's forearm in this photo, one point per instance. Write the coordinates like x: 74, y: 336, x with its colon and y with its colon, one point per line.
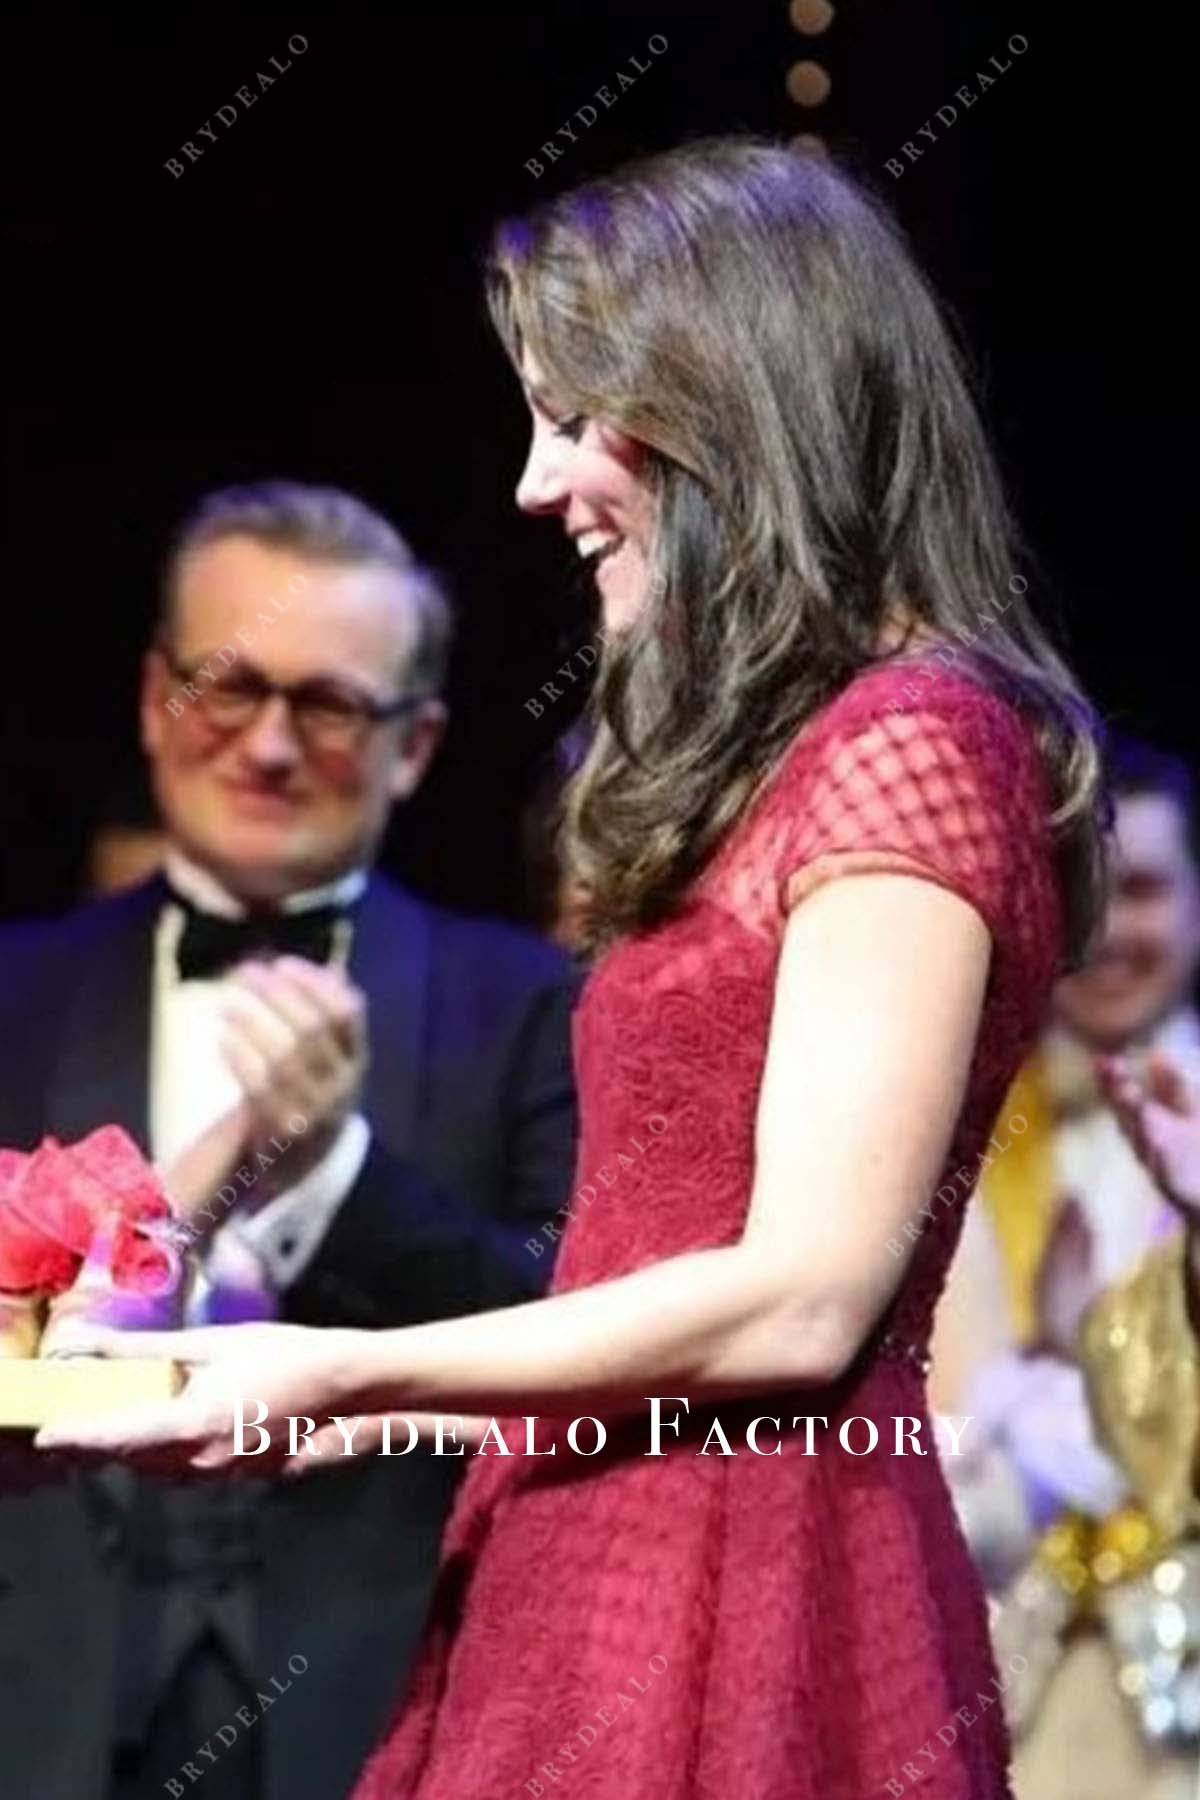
x: 707, y: 1324
x: 855, y: 1119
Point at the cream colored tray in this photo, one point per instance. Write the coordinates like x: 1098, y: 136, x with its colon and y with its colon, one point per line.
x: 35, y: 1391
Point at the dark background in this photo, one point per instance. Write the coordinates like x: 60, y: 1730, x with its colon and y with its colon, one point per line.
x: 305, y: 300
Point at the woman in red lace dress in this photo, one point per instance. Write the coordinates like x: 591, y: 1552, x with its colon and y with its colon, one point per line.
x: 836, y: 834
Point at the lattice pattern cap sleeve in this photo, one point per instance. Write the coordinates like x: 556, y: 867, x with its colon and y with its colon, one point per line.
x: 949, y: 788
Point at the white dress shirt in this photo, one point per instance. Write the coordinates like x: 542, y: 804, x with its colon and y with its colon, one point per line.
x: 251, y: 1256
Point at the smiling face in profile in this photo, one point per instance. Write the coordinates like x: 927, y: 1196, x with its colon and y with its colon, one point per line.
x: 591, y: 476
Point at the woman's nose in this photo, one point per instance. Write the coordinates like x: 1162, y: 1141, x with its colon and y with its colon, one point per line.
x: 541, y: 488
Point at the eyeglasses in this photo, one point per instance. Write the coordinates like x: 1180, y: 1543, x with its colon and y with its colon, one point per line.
x: 327, y: 715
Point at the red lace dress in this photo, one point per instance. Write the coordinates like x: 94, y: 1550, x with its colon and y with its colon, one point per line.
x: 793, y: 1627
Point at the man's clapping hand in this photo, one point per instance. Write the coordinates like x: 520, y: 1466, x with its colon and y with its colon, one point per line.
x: 1160, y: 1115
x: 296, y: 1039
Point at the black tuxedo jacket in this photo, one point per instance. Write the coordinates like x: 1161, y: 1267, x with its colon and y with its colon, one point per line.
x: 470, y: 1102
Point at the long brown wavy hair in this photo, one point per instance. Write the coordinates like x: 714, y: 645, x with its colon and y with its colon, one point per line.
x: 755, y: 318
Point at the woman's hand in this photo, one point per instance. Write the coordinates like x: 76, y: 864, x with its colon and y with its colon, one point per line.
x: 292, y: 1370
x: 368, y: 1433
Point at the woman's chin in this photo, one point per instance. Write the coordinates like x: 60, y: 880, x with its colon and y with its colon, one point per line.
x: 621, y: 580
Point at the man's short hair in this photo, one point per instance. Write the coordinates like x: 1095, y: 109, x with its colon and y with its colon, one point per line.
x: 323, y: 524
x: 1137, y: 767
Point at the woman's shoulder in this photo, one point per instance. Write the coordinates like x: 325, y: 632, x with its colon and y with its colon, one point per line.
x: 936, y: 683
x: 917, y: 766
x: 929, y: 765
x: 921, y: 747
x: 917, y: 707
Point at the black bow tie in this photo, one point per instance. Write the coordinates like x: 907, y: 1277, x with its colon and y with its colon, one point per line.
x: 209, y: 944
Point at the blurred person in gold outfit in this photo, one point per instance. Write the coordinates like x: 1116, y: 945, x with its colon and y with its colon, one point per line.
x: 1140, y: 1341
x: 1065, y: 1335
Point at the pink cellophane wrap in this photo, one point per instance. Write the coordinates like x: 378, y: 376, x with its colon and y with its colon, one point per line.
x: 58, y: 1203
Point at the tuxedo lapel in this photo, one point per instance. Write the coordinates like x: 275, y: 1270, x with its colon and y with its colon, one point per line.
x: 390, y: 961
x: 101, y: 1075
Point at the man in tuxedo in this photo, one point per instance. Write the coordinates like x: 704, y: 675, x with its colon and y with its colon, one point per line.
x: 383, y: 1089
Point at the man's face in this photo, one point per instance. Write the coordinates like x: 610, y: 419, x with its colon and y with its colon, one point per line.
x: 267, y: 812
x: 1146, y: 961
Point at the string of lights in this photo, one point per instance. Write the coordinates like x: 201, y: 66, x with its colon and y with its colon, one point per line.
x: 809, y: 82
